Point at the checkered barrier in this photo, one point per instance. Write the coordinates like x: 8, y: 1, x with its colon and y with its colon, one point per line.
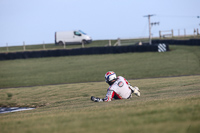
x: 162, y: 47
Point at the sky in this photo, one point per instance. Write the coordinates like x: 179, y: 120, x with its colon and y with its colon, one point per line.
x: 36, y: 21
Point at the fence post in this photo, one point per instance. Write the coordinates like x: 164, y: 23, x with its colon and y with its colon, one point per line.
x: 44, y: 45
x: 7, y: 47
x: 24, y: 46
x: 184, y: 32
x: 109, y: 43
x: 82, y: 44
x: 64, y: 44
x: 160, y: 34
x: 119, y: 42
x: 172, y: 33
x: 194, y: 32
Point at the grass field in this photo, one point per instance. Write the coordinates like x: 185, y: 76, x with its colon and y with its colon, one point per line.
x: 167, y: 105
x: 181, y: 60
x: 60, y: 89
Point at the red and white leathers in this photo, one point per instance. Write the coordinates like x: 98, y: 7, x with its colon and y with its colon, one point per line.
x: 118, y: 90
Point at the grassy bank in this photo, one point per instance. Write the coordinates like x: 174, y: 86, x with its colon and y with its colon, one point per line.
x: 167, y: 105
x: 180, y: 60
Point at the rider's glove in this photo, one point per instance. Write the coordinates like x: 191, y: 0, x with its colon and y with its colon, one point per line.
x: 96, y: 99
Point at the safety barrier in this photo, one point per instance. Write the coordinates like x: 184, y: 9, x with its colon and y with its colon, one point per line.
x: 83, y: 51
x: 191, y: 42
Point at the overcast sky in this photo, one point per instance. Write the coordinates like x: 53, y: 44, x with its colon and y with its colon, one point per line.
x: 35, y: 21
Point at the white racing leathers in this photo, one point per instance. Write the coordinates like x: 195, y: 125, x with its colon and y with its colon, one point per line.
x: 118, y: 90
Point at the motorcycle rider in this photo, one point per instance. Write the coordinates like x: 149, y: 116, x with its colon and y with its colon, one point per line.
x: 119, y: 88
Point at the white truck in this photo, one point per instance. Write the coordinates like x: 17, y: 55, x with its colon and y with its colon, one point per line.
x: 72, y: 37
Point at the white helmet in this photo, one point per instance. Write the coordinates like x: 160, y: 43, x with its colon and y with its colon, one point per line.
x: 109, y: 76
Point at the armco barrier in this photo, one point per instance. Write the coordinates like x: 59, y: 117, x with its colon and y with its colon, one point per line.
x: 80, y: 51
x: 192, y: 42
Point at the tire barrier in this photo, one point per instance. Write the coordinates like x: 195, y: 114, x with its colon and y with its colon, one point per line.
x: 191, y: 42
x: 84, y: 51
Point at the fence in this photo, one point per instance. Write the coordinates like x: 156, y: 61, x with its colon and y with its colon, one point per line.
x: 39, y: 46
x: 22, y: 47
x: 143, y: 41
x: 171, y: 33
x: 128, y: 41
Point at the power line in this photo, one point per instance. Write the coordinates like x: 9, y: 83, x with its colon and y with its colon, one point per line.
x: 177, y: 16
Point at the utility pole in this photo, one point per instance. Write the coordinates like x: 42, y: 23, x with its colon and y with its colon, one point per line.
x: 149, y: 17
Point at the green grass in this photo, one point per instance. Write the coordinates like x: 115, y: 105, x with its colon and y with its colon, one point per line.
x: 167, y: 105
x: 180, y: 60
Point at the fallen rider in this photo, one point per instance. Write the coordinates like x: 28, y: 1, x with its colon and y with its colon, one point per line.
x: 119, y: 88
